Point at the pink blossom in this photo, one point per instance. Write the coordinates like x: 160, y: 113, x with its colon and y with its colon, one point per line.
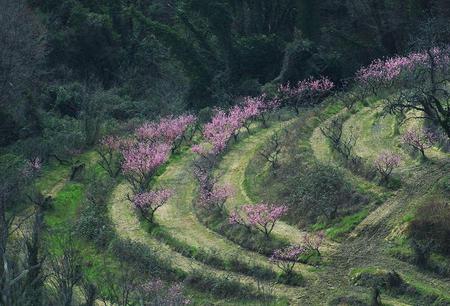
x: 141, y: 160
x: 287, y: 257
x: 235, y: 218
x: 419, y: 139
x: 148, y: 202
x: 384, y: 71
x: 220, y: 129
x: 201, y: 149
x: 386, y: 162
x: 260, y: 216
x: 306, y: 93
x: 258, y: 107
x: 216, y: 197
x: 144, y: 158
x: 290, y: 253
x: 167, y: 130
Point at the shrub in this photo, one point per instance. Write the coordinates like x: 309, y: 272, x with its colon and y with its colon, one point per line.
x: 143, y: 258
x: 321, y: 191
x: 223, y: 286
x: 430, y: 230
x: 94, y: 225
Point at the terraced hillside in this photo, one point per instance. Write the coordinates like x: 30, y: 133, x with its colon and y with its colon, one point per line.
x: 196, y: 253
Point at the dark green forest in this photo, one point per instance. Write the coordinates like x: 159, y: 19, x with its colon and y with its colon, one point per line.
x: 330, y: 118
x: 78, y: 65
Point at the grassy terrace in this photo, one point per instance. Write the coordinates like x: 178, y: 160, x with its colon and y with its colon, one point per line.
x: 192, y: 252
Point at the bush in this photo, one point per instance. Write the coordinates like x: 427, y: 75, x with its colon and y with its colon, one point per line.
x: 392, y: 282
x: 320, y: 191
x: 223, y: 286
x: 93, y: 223
x: 294, y: 279
x: 144, y: 259
x: 430, y: 230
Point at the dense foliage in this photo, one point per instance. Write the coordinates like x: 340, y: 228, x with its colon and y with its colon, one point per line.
x: 109, y: 108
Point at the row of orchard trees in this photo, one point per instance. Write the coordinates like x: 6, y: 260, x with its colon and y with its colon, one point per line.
x: 224, y: 127
x: 412, y: 86
x: 417, y: 81
x: 139, y: 156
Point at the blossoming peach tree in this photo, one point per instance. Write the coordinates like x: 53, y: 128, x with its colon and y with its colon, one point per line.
x: 305, y: 93
x: 417, y: 81
x: 385, y: 163
x: 262, y: 216
x: 419, y: 139
x: 140, y: 156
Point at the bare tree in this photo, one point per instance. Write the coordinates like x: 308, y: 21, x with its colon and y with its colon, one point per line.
x: 122, y: 286
x: 66, y: 271
x: 20, y: 258
x: 334, y: 132
x: 272, y: 150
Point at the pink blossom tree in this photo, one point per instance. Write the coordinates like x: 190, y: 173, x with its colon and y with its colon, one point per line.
x: 419, y: 139
x: 251, y: 109
x: 168, y: 130
x: 147, y: 203
x: 308, y: 92
x: 261, y: 217
x: 258, y: 108
x: 216, y: 197
x: 385, y: 163
x: 211, y: 195
x: 140, y: 162
x: 203, y: 150
x: 237, y: 118
x: 313, y: 242
x: 417, y: 81
x: 219, y: 130
x: 286, y: 258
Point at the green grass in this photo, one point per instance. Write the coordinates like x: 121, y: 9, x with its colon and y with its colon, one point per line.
x: 201, y: 257
x: 50, y: 176
x: 65, y: 204
x: 346, y: 225
x: 215, y: 258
